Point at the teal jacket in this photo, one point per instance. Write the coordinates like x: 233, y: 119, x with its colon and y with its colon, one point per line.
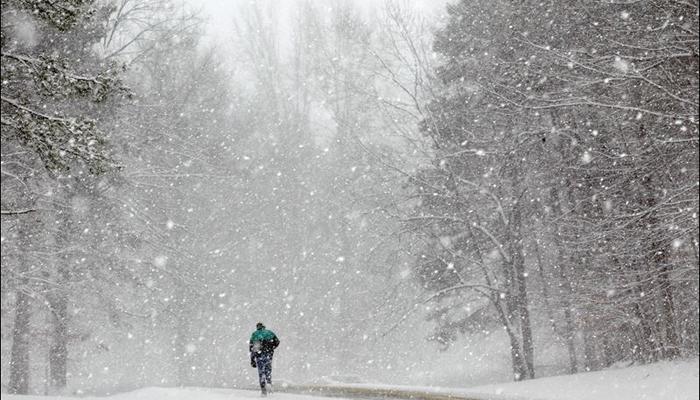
x: 263, y: 341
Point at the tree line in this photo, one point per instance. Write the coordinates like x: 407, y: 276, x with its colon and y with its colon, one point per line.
x: 563, y: 190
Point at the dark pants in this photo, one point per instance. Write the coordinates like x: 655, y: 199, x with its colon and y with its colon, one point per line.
x: 264, y: 363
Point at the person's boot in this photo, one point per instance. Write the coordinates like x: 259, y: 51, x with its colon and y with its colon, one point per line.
x: 263, y: 391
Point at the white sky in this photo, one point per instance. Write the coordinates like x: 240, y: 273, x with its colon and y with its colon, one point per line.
x: 221, y: 12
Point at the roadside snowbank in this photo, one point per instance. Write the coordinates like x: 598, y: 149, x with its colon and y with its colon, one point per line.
x: 676, y: 380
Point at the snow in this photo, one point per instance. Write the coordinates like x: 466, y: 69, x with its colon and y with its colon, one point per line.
x: 158, y: 393
x: 660, y: 381
x: 622, y: 65
x: 669, y: 380
x: 318, y: 171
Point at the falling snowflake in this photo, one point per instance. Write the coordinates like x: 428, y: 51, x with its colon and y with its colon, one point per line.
x: 160, y: 261
x: 621, y: 65
x: 586, y: 157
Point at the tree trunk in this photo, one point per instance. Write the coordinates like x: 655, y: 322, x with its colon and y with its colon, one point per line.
x: 545, y: 290
x: 19, y: 358
x: 565, y: 287
x: 646, y: 343
x: 58, y: 303
x: 516, y: 352
x: 569, y: 326
x: 519, y: 276
x: 589, y: 356
x: 19, y: 362
x: 58, y: 352
x: 671, y: 347
x: 665, y: 335
x: 521, y: 302
x: 570, y: 342
x: 520, y: 371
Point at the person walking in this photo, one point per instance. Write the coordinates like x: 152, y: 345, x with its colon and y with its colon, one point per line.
x: 262, y: 345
